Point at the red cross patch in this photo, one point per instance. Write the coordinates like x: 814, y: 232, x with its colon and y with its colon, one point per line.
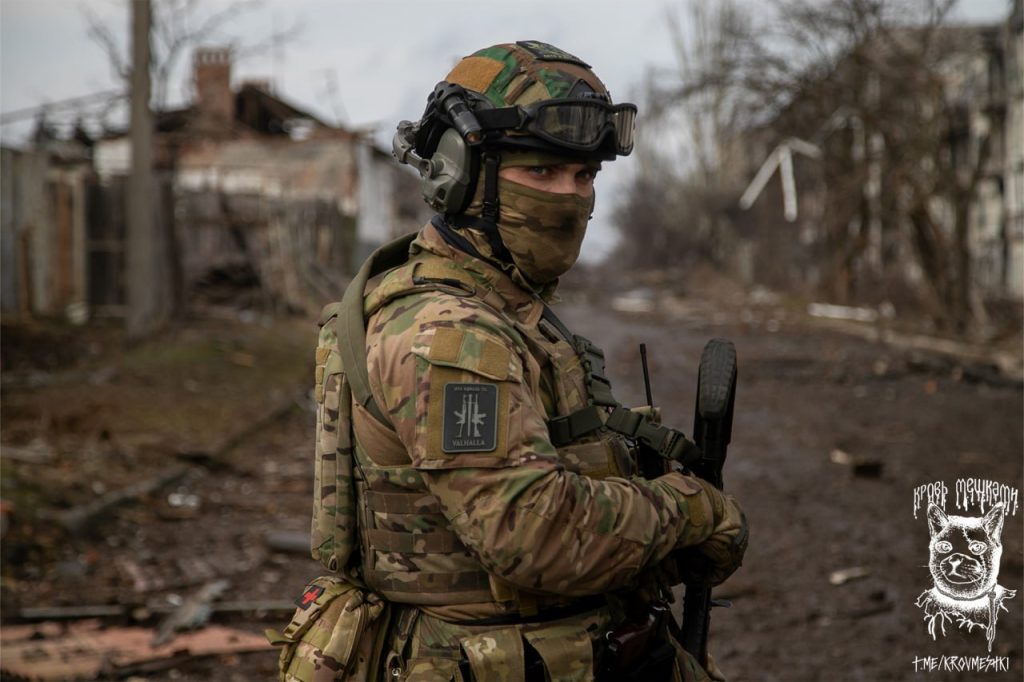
x: 309, y: 596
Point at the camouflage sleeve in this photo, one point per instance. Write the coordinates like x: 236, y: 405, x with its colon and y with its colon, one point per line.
x: 452, y: 380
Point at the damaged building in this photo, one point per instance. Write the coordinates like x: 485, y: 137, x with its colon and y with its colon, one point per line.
x: 847, y: 230
x: 252, y: 192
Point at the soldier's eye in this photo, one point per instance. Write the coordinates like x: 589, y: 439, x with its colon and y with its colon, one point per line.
x: 943, y: 547
x: 978, y: 547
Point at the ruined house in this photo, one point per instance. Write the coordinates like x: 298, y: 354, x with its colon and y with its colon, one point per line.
x: 253, y: 191
x: 44, y: 195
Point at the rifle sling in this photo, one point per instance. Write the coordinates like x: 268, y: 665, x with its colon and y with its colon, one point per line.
x: 564, y: 430
x: 669, y: 443
x: 666, y: 442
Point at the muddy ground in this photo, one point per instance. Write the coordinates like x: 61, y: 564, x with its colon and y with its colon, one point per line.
x: 832, y: 436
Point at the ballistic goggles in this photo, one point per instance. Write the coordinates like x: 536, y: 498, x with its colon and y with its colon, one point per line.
x: 577, y: 124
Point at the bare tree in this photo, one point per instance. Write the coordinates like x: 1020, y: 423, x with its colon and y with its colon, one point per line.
x: 686, y: 156
x: 179, y: 26
x: 868, y: 82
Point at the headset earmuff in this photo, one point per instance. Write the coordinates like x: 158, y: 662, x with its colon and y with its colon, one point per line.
x: 447, y: 187
x: 438, y: 148
x: 473, y: 162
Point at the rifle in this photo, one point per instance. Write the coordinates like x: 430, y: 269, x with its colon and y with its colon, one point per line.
x: 712, y: 429
x: 716, y: 391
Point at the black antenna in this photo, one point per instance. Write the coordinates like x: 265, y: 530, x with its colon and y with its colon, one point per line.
x: 647, y: 376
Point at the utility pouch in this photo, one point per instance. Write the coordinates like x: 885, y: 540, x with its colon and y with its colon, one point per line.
x: 555, y: 651
x: 341, y: 377
x: 333, y: 531
x: 641, y: 649
x: 337, y: 633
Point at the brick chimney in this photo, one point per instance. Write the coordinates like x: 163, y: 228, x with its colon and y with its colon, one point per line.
x: 211, y: 69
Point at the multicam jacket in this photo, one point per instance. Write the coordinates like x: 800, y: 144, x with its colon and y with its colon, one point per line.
x: 514, y: 523
x: 465, y: 508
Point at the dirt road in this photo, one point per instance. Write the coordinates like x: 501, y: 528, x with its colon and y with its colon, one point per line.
x: 805, y: 393
x: 832, y: 436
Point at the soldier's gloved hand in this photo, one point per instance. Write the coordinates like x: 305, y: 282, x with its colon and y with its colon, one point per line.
x: 692, y: 671
x: 715, y: 559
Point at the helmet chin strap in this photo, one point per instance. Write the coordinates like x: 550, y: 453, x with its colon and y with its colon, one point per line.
x: 487, y: 222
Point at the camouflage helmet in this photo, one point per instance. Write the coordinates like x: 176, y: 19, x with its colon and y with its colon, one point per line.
x: 526, y: 95
x: 531, y: 95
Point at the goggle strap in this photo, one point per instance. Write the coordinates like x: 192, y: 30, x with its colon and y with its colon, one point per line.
x: 499, y: 119
x: 491, y: 162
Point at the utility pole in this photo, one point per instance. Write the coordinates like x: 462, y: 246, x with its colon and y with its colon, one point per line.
x: 144, y: 266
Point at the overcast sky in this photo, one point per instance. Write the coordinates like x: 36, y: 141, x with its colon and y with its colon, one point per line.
x: 384, y: 55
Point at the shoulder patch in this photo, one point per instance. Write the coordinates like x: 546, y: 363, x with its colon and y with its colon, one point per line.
x: 470, y: 422
x: 549, y: 53
x: 471, y: 351
x: 309, y: 596
x: 446, y: 346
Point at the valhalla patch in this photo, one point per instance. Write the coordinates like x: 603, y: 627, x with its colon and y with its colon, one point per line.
x: 470, y: 418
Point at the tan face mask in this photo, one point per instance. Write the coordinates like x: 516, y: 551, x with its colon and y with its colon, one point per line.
x: 543, y: 231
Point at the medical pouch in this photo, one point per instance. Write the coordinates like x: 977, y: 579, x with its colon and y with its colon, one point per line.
x: 335, y: 634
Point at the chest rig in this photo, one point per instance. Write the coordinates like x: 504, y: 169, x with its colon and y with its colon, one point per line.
x: 374, y: 518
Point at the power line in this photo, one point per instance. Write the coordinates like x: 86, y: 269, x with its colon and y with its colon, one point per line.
x: 70, y: 103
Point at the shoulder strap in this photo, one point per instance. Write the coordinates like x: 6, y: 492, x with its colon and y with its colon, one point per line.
x: 351, y: 325
x: 356, y: 306
x: 422, y: 273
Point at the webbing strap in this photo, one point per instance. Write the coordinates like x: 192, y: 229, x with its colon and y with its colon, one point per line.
x: 669, y: 443
x: 499, y: 119
x: 553, y: 320
x: 488, y: 220
x: 352, y: 325
x: 492, y: 160
x: 564, y: 430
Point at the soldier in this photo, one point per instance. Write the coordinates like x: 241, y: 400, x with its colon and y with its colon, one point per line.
x: 476, y: 486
